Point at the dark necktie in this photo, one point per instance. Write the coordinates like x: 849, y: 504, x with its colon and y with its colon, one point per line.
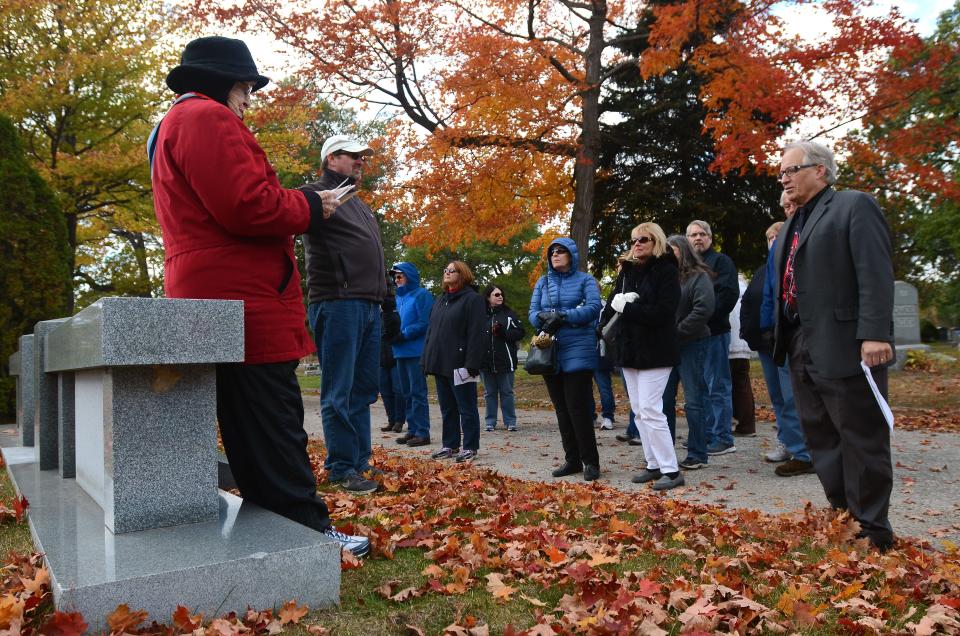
x: 789, y: 282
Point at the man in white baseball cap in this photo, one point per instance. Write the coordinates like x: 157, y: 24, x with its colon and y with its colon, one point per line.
x: 346, y: 280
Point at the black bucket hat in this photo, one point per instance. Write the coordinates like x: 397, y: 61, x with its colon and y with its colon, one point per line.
x: 217, y: 56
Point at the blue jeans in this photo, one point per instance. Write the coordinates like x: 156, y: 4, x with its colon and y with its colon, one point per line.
x: 347, y: 334
x: 608, y: 406
x: 499, y: 387
x: 789, y: 431
x: 392, y: 396
x: 413, y: 384
x: 690, y: 372
x: 632, y: 430
x: 719, y: 391
x: 458, y: 408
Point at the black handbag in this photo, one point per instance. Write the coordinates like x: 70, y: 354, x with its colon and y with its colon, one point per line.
x: 542, y: 361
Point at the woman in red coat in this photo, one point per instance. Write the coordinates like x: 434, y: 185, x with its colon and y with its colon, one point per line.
x: 228, y: 229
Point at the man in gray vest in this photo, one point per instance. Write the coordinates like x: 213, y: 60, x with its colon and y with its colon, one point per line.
x: 346, y: 278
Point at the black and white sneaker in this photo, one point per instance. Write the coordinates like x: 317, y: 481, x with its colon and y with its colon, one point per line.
x: 359, y: 546
x: 445, y: 453
x: 691, y: 464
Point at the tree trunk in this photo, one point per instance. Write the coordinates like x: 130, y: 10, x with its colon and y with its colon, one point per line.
x: 585, y: 168
x: 72, y: 241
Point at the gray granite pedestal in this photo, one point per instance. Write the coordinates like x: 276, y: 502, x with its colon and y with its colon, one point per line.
x: 248, y: 556
x: 21, y: 366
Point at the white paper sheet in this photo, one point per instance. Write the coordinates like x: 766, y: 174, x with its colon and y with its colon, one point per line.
x: 884, y: 407
x: 462, y: 376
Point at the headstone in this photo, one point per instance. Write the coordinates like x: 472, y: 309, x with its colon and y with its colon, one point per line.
x: 906, y: 313
x: 128, y: 395
x: 45, y: 429
x: 131, y: 357
x: 26, y: 400
x: 906, y: 322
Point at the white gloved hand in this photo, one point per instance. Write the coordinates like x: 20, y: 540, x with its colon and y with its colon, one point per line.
x: 620, y: 300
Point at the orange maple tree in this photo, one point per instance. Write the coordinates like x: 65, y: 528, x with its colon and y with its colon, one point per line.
x: 502, y: 99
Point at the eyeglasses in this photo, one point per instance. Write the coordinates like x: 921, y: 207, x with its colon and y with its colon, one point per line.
x: 559, y: 250
x: 497, y: 295
x: 450, y: 270
x: 399, y: 276
x: 356, y: 156
x: 640, y: 240
x: 792, y: 170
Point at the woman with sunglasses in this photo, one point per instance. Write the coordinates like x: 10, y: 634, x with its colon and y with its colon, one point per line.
x: 453, y: 353
x: 503, y: 330
x: 646, y: 346
x: 565, y: 304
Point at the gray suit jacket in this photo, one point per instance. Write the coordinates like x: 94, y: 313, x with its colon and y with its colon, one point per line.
x: 844, y: 273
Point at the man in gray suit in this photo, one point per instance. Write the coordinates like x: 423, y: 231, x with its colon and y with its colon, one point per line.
x: 834, y: 310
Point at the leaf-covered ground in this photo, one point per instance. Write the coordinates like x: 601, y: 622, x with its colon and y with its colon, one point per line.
x: 461, y: 551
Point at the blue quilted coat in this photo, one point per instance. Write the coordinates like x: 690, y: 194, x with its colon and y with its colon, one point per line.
x: 578, y: 294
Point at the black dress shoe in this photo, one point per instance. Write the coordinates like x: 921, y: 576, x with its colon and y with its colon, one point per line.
x: 591, y: 472
x: 418, y: 441
x: 568, y: 469
x: 403, y: 439
x: 387, y: 428
x: 398, y: 427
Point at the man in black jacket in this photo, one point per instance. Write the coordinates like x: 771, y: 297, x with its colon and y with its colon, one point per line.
x: 346, y: 278
x: 726, y: 291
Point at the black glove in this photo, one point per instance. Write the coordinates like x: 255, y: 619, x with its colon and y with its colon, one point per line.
x: 473, y: 371
x: 766, y: 340
x: 553, y: 322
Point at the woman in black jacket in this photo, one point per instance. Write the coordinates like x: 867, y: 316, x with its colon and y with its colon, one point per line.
x: 502, y: 331
x: 646, y: 346
x: 453, y: 353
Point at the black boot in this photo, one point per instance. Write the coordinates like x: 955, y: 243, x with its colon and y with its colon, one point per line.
x: 591, y: 472
x: 568, y: 468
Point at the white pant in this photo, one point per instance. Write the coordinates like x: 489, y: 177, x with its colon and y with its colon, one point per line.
x: 645, y: 388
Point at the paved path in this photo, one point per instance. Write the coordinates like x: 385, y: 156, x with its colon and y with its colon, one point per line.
x: 925, y: 502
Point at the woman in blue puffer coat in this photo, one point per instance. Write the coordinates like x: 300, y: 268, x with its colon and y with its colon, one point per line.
x: 566, y: 304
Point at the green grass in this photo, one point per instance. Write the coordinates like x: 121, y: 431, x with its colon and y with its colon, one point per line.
x: 14, y: 537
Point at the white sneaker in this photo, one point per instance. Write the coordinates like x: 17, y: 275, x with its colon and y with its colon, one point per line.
x: 777, y: 455
x: 606, y: 424
x: 360, y: 546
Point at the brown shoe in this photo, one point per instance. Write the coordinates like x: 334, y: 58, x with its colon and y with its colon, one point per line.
x: 794, y: 467
x: 398, y: 427
x: 418, y: 441
x: 403, y: 439
x: 387, y: 428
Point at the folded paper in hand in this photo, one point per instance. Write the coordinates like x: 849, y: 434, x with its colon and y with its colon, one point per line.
x: 462, y: 376
x: 344, y: 193
x: 884, y: 407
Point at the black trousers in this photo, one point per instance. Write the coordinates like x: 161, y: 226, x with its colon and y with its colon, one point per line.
x: 743, y: 404
x: 848, y: 438
x: 572, y: 397
x: 260, y: 411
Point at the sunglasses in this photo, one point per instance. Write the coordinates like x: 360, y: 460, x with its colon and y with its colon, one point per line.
x: 641, y: 240
x: 449, y: 270
x: 356, y: 156
x: 497, y: 295
x: 559, y: 250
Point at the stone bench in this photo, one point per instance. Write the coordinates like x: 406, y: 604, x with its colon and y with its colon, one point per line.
x: 122, y: 478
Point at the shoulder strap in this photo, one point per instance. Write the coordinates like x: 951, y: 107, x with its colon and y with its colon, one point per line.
x: 152, y: 139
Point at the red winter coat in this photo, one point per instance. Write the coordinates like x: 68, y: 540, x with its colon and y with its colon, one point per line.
x: 228, y: 226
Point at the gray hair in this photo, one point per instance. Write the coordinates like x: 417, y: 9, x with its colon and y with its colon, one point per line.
x: 819, y: 154
x: 689, y: 262
x: 703, y: 226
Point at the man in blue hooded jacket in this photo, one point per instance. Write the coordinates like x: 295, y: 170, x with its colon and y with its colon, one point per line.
x: 414, y: 304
